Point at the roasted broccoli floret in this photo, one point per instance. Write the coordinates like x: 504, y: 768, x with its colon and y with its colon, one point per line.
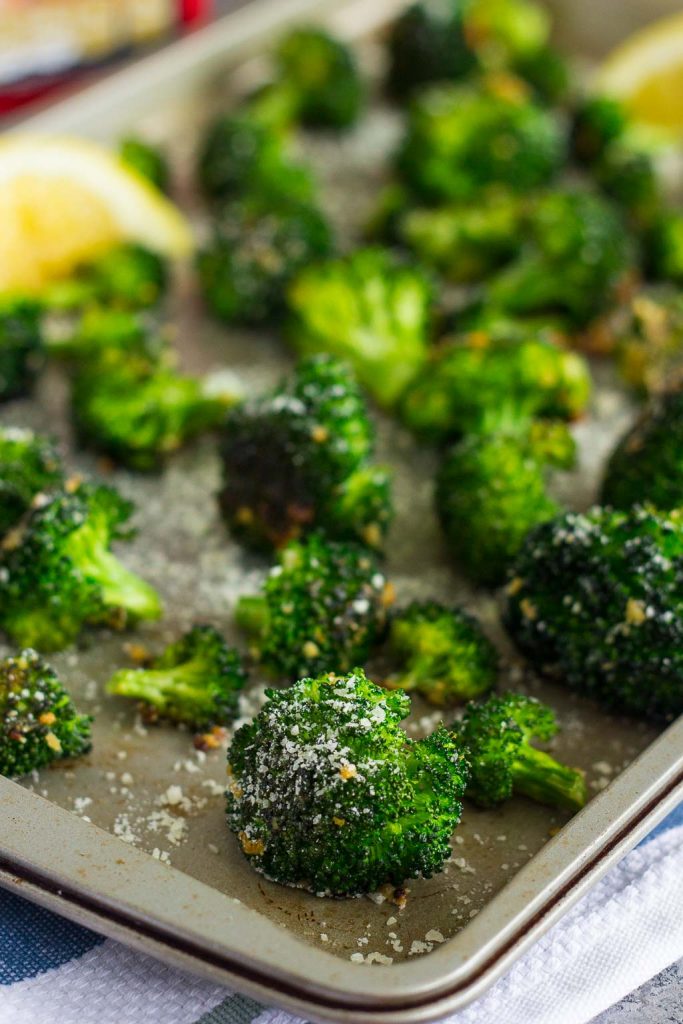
x: 241, y: 155
x: 128, y: 276
x: 322, y: 607
x: 496, y: 737
x: 370, y: 309
x: 327, y: 793
x: 38, y: 721
x: 465, y: 241
x: 492, y: 489
x: 29, y: 466
x: 321, y: 72
x: 197, y: 680
x: 471, y: 374
x: 21, y: 346
x: 297, y: 458
x: 649, y: 347
x: 577, y: 255
x: 663, y: 247
x: 428, y: 43
x: 463, y: 137
x: 439, y: 652
x: 255, y: 250
x: 627, y: 175
x: 598, y: 121
x: 148, y: 160
x: 110, y: 333
x: 647, y: 463
x: 58, y: 573
x: 546, y: 70
x: 597, y: 600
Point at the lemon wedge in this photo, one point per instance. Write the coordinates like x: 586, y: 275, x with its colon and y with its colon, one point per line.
x: 646, y: 74
x: 63, y: 200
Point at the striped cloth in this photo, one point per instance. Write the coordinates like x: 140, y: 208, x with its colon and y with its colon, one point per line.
x: 627, y: 929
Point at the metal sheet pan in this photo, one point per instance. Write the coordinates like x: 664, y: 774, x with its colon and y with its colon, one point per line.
x: 153, y: 864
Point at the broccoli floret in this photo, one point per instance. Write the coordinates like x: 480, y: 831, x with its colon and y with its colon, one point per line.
x: 38, y: 721
x: 29, y: 466
x: 465, y: 241
x: 663, y: 247
x: 463, y: 137
x: 59, y: 575
x: 109, y: 333
x: 322, y: 73
x: 328, y: 794
x: 322, y: 607
x: 627, y: 175
x: 496, y: 736
x: 441, y: 653
x: 148, y: 160
x: 128, y: 276
x: 255, y: 251
x: 650, y: 344
x: 367, y: 308
x: 502, y: 31
x: 297, y: 458
x: 196, y: 680
x: 647, y: 463
x: 598, y: 121
x: 492, y: 489
x: 545, y: 69
x: 427, y: 43
x: 597, y: 600
x: 471, y: 374
x: 577, y: 255
x: 21, y: 346
x: 241, y: 155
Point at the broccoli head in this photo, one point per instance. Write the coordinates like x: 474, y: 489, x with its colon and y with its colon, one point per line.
x: 368, y: 308
x: 597, y: 122
x: 663, y: 247
x: 504, y: 31
x: 297, y: 457
x: 38, y: 721
x: 58, y: 572
x: 441, y: 653
x: 627, y: 175
x: 21, y: 346
x: 322, y: 607
x: 327, y: 793
x: 255, y: 251
x: 649, y: 347
x: 109, y: 332
x: 148, y: 160
x: 496, y: 737
x: 197, y: 680
x: 597, y: 600
x: 427, y: 43
x: 546, y: 70
x: 461, y: 138
x: 321, y: 72
x: 128, y: 276
x: 29, y: 466
x: 492, y: 489
x: 482, y: 370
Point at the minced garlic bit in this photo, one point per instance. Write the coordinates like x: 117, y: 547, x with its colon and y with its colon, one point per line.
x: 52, y: 742
x: 252, y: 847
x: 529, y: 610
x: 348, y: 771
x: 635, y: 612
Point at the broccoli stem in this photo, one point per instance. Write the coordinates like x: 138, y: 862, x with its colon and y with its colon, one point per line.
x: 540, y: 777
x: 251, y: 615
x: 120, y: 587
x: 185, y: 684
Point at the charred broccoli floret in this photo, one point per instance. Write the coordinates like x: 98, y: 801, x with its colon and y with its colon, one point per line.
x: 38, y: 721
x: 367, y: 308
x: 128, y: 276
x: 597, y: 122
x: 297, y: 458
x: 496, y: 737
x: 148, y: 160
x: 29, y: 466
x: 627, y: 175
x: 597, y: 600
x: 440, y: 652
x: 492, y: 489
x: 327, y: 792
x: 461, y: 138
x: 649, y: 348
x: 428, y: 43
x: 21, y: 346
x: 471, y: 374
x: 322, y: 608
x: 647, y: 463
x: 58, y: 573
x: 197, y: 680
x: 322, y: 74
x: 255, y: 251
x: 577, y: 255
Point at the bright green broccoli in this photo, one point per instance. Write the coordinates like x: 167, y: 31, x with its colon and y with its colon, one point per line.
x: 472, y: 374
x: 663, y: 247
x: 321, y: 73
x: 58, y: 573
x: 109, y: 333
x: 461, y: 138
x: 649, y: 348
x: 492, y: 489
x: 148, y: 160
x: 38, y: 721
x: 197, y: 680
x: 440, y: 653
x: 322, y: 607
x: 367, y: 308
x: 327, y: 793
x: 597, y: 600
x: 297, y: 458
x: 546, y: 70
x: 128, y: 276
x: 29, y: 466
x: 21, y: 346
x: 496, y: 738
x: 255, y: 251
